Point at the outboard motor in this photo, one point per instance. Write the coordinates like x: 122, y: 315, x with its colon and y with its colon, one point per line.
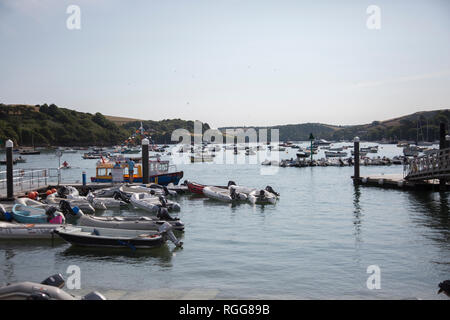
x: 233, y: 194
x: 65, y: 207
x: 166, y: 191
x: 94, y: 295
x: 50, y: 212
x: 261, y: 195
x: 62, y: 192
x: 270, y: 189
x: 231, y: 183
x: 38, y: 296
x: 119, y: 195
x: 166, y: 228
x: 56, y: 280
x: 163, y: 201
x: 163, y: 214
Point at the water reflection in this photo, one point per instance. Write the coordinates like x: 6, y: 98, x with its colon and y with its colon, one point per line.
x: 431, y: 209
x: 357, y: 213
x: 8, y: 266
x: 161, y: 256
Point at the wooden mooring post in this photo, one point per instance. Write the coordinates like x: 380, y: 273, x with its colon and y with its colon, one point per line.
x: 145, y: 172
x: 9, y: 170
x: 442, y: 145
x: 356, y: 156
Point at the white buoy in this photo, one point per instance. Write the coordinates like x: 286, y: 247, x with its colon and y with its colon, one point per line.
x: 364, y: 180
x: 380, y: 182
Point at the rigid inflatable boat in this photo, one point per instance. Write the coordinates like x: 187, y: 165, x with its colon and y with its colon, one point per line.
x: 49, y: 289
x: 151, y: 203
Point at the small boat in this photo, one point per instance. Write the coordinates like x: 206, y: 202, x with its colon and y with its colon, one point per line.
x: 194, y: 187
x: 160, y: 172
x: 27, y: 214
x: 262, y: 197
x: 128, y: 222
x: 221, y: 194
x: 29, y: 151
x: 151, y: 203
x: 19, y: 159
x: 11, y: 230
x: 202, y: 158
x: 330, y: 154
x: 49, y: 289
x: 117, y: 238
x: 80, y: 202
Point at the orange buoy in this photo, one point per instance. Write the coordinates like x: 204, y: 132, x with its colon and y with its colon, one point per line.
x: 32, y: 195
x: 53, y: 190
x: 48, y: 192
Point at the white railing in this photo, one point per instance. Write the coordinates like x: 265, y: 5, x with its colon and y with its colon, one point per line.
x: 27, y: 179
x: 434, y: 165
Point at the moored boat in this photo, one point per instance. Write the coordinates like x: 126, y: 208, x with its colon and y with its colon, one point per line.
x: 117, y: 238
x: 221, y: 194
x: 27, y: 214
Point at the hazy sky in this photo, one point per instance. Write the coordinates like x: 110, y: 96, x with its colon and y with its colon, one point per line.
x: 228, y: 62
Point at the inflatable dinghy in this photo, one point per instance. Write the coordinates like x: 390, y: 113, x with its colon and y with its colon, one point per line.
x: 9, y: 230
x: 117, y: 238
x: 151, y: 203
x: 130, y: 222
x: 49, y: 289
x: 27, y: 214
x: 221, y: 194
x: 262, y: 197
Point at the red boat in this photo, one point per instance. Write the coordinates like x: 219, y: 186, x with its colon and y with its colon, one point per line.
x: 195, y: 187
x: 198, y: 188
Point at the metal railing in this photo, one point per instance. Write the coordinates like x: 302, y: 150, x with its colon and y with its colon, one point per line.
x: 434, y: 165
x: 28, y: 179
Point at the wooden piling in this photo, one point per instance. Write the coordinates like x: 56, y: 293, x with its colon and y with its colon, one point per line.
x: 145, y: 172
x: 442, y: 145
x: 356, y: 156
x: 9, y: 170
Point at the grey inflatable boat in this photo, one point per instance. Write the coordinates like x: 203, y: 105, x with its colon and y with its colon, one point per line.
x: 49, y: 289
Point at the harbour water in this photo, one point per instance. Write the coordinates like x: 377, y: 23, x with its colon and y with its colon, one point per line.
x: 315, y: 243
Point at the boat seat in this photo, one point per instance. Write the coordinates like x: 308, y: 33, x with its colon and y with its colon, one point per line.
x: 119, y: 219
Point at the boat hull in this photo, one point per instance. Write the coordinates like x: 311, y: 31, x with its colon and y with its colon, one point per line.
x: 161, y: 179
x: 94, y: 241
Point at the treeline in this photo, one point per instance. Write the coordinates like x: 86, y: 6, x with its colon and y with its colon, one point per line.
x: 423, y: 126
x: 49, y: 125
x: 161, y: 131
x: 295, y: 132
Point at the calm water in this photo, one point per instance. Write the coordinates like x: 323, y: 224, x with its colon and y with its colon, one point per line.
x: 315, y: 243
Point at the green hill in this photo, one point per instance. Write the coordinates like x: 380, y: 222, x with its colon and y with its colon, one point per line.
x: 423, y: 126
x: 49, y: 125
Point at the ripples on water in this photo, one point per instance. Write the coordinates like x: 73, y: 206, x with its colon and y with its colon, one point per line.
x: 316, y: 242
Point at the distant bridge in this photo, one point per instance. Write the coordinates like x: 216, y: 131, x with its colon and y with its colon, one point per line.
x: 434, y: 165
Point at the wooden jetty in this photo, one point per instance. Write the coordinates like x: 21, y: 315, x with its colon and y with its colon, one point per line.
x: 427, y: 172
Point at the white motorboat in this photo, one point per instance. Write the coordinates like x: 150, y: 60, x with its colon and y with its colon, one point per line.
x: 152, y: 203
x: 222, y: 194
x: 117, y: 238
x: 262, y: 197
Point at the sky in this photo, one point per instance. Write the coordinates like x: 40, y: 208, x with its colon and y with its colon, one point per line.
x: 229, y: 62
